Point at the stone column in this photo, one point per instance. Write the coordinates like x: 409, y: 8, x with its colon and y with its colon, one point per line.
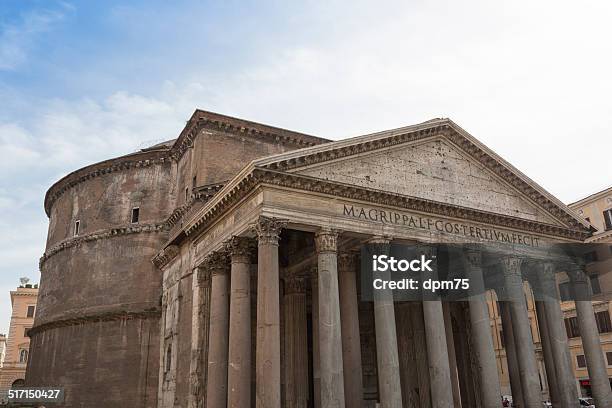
x: 549, y: 362
x: 452, y: 355
x: 199, y: 336
x: 589, y: 334
x: 267, y: 359
x: 239, y: 368
x: 528, y: 367
x: 437, y: 349
x: 316, y: 372
x: 330, y: 338
x: 386, y: 338
x: 564, y: 373
x: 296, y: 343
x: 349, y: 318
x: 216, y: 389
x: 481, y: 330
x: 511, y: 355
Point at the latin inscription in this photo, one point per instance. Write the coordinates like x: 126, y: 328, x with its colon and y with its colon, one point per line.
x: 438, y: 225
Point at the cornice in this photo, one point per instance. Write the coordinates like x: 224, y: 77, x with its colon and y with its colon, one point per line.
x: 136, y: 160
x: 295, y: 181
x: 443, y: 127
x: 97, y: 235
x: 602, y: 237
x: 102, y: 317
x: 165, y: 256
x: 201, y: 120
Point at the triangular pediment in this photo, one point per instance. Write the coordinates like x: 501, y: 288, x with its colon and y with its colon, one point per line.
x: 435, y: 160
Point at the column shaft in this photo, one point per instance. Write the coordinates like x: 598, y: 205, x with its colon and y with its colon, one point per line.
x: 386, y: 339
x: 296, y: 343
x: 530, y: 380
x: 349, y: 318
x: 216, y: 389
x: 566, y: 382
x: 549, y: 362
x: 481, y: 332
x: 199, y: 336
x: 239, y: 368
x: 330, y: 337
x: 452, y: 355
x: 316, y: 372
x: 437, y: 354
x: 267, y: 358
x: 511, y: 355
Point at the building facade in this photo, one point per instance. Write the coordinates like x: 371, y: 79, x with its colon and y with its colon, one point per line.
x: 219, y: 269
x: 23, y: 301
x: 2, y: 348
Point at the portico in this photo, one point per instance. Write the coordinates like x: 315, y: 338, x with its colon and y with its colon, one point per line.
x: 285, y: 235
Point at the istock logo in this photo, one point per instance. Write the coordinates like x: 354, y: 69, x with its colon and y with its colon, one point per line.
x: 383, y: 263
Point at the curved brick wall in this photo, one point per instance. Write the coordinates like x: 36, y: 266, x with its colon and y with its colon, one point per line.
x: 96, y: 331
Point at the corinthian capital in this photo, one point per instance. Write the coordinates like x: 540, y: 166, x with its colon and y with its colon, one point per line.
x: 347, y: 261
x: 295, y: 284
x: 268, y: 230
x: 326, y: 240
x: 239, y: 249
x: 216, y: 263
x: 511, y: 265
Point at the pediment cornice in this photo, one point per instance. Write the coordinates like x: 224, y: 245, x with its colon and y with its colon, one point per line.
x: 245, y: 185
x: 444, y: 128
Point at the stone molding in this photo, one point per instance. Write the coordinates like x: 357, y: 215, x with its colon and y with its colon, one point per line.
x: 257, y: 176
x: 268, y: 230
x: 100, y: 234
x: 326, y: 240
x: 165, y: 256
x: 94, y: 318
x: 240, y: 249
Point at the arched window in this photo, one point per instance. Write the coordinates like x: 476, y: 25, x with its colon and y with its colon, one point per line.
x: 168, y: 358
x: 18, y: 383
x: 23, y: 356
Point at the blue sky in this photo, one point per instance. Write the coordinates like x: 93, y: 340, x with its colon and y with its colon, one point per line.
x: 84, y: 81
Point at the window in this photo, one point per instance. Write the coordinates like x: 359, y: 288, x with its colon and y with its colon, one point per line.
x: 25, y: 331
x: 23, y: 356
x: 565, y: 291
x: 77, y: 225
x: 609, y: 357
x: 595, y: 284
x: 186, y: 194
x: 580, y: 361
x: 571, y: 327
x: 603, y: 321
x: 193, y: 182
x: 502, y: 339
x: 588, y: 219
x: 30, y: 312
x: 168, y: 359
x: 135, y: 215
x: 608, y: 218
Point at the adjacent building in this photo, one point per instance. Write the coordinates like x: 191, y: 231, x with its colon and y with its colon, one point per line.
x: 2, y: 348
x: 23, y: 301
x: 220, y: 270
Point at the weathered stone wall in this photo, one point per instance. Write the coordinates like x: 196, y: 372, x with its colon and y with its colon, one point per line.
x: 96, y: 331
x: 100, y: 364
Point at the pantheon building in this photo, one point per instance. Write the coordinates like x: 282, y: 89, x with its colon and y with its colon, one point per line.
x: 222, y: 269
